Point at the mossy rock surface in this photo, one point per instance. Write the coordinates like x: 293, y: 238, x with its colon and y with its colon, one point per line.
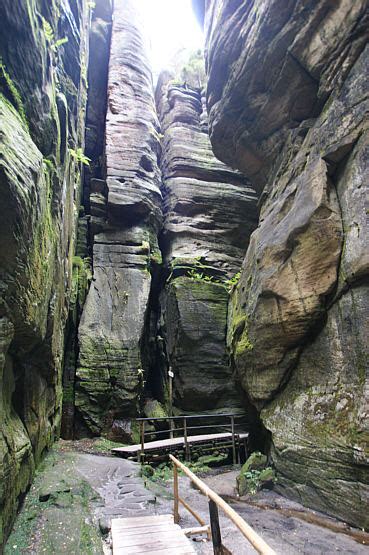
x: 57, y: 513
x: 256, y: 461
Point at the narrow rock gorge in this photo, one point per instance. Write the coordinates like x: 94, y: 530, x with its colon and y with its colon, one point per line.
x: 214, y: 229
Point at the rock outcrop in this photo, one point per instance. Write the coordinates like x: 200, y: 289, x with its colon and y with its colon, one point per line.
x: 209, y: 214
x: 125, y: 219
x: 42, y: 105
x: 287, y: 100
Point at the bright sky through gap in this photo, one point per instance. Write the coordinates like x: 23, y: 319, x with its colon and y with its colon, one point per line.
x: 171, y: 26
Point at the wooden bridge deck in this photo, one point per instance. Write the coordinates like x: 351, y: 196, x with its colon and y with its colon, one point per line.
x: 167, y: 445
x: 151, y: 535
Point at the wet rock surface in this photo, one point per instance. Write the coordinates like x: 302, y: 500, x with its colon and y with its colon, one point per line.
x: 298, y: 313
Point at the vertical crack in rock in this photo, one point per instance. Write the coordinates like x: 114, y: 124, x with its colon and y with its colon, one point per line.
x: 93, y: 198
x: 126, y: 218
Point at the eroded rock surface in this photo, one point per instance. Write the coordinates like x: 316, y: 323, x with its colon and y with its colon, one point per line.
x: 125, y: 218
x: 209, y: 214
x: 42, y: 104
x: 287, y: 99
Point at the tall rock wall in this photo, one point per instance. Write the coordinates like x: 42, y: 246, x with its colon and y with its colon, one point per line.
x: 42, y: 106
x: 209, y: 214
x: 287, y: 100
x: 125, y: 210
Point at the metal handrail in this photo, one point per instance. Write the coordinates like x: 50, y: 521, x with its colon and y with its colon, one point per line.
x: 215, y: 501
x: 192, y: 416
x: 155, y: 432
x: 185, y: 429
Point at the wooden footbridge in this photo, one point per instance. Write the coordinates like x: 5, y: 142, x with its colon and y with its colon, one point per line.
x: 162, y: 535
x: 182, y: 440
x: 156, y: 535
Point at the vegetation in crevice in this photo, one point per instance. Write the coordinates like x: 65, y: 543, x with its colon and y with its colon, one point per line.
x: 7, y: 84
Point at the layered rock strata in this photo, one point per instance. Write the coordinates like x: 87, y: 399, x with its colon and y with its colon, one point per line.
x: 42, y: 106
x: 93, y: 199
x: 209, y: 214
x: 126, y: 216
x: 287, y: 99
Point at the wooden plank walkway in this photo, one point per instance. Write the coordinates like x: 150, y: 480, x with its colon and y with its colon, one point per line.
x: 151, y: 535
x: 169, y: 444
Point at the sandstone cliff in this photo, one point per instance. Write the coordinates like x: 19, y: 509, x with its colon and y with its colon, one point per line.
x: 287, y: 99
x: 125, y: 218
x: 105, y: 286
x: 42, y: 106
x: 209, y: 214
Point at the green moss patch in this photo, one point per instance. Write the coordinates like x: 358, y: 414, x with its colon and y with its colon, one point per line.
x: 56, y: 514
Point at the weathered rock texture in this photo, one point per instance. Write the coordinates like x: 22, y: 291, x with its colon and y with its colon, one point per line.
x: 209, y: 214
x: 42, y: 105
x: 93, y: 199
x: 287, y: 100
x: 126, y: 216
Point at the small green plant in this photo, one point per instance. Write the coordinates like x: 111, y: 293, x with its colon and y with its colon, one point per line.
x: 232, y: 282
x: 253, y: 478
x: 79, y: 156
x: 193, y: 73
x: 164, y: 472
x: 50, y: 37
x: 49, y: 164
x: 256, y: 479
x: 4, y: 75
x: 175, y: 83
x: 199, y: 276
x: 103, y: 445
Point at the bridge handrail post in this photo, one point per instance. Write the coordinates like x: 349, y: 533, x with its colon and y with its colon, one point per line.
x: 142, y: 437
x: 187, y: 446
x: 176, y: 495
x: 233, y: 441
x: 215, y: 528
x: 256, y: 541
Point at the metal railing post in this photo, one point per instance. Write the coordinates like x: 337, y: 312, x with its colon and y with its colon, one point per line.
x: 142, y: 434
x: 187, y: 447
x: 233, y: 441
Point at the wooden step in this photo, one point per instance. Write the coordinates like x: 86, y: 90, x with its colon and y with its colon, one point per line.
x: 151, y: 535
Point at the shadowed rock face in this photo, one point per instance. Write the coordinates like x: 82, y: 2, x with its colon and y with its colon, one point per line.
x: 125, y: 217
x: 209, y: 214
x: 40, y: 184
x: 272, y: 67
x: 287, y: 99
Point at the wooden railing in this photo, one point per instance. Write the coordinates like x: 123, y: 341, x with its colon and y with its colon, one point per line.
x: 215, y: 501
x: 188, y: 429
